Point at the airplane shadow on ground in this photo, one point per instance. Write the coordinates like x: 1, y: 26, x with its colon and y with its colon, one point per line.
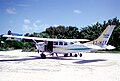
x: 31, y: 58
x: 62, y: 58
x: 19, y: 59
x: 89, y: 61
x: 56, y: 58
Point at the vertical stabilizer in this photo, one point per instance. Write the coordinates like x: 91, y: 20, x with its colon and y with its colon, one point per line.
x: 104, y: 37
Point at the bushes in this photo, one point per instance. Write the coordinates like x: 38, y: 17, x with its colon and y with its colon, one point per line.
x: 13, y: 44
x: 28, y: 46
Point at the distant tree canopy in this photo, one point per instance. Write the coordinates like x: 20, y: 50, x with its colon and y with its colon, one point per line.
x: 62, y: 32
x: 90, y: 32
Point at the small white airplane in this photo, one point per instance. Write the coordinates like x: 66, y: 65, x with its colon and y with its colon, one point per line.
x: 69, y: 46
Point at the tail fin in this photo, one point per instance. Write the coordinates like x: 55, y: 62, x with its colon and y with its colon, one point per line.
x: 104, y: 37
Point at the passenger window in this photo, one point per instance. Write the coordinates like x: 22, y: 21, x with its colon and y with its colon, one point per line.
x: 65, y: 43
x: 60, y: 43
x: 55, y: 43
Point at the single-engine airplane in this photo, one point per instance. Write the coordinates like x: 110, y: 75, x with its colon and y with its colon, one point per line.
x: 69, y: 46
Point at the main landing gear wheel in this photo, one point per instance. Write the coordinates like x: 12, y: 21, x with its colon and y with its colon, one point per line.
x: 70, y: 54
x: 66, y: 55
x: 43, y: 56
x: 80, y: 54
x: 75, y: 55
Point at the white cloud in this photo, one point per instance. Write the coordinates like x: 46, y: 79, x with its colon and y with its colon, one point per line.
x: 26, y: 28
x: 55, y: 25
x: 37, y: 23
x: 11, y: 10
x: 27, y: 21
x: 77, y: 11
x: 29, y: 26
x: 36, y: 26
x: 26, y: 25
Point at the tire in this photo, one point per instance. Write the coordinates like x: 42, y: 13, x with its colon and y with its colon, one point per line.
x: 43, y: 56
x: 75, y: 55
x: 80, y: 54
x: 65, y: 55
x: 70, y: 54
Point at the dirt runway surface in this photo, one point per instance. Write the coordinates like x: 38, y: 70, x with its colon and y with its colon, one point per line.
x: 28, y: 66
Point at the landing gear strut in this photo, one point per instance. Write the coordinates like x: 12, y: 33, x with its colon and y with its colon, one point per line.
x: 53, y: 54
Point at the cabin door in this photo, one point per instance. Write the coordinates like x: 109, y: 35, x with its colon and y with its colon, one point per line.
x: 49, y: 46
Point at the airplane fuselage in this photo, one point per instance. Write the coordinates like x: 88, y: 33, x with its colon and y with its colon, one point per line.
x: 70, y: 47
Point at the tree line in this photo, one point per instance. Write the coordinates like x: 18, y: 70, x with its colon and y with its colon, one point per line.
x: 90, y: 32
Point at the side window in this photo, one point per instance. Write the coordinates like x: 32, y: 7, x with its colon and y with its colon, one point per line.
x: 65, y: 43
x: 60, y: 43
x: 55, y: 43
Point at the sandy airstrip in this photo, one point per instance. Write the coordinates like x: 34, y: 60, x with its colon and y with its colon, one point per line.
x: 28, y: 66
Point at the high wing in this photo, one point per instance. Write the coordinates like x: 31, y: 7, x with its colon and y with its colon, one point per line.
x: 46, y: 39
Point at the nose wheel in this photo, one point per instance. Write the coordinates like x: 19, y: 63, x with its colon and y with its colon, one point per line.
x: 43, y: 56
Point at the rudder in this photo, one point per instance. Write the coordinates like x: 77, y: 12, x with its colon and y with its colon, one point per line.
x: 104, y: 37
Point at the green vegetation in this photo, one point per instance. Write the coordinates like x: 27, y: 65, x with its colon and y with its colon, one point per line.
x: 11, y: 44
x: 28, y: 47
x: 89, y: 32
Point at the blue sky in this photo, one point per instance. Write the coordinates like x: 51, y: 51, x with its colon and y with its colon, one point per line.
x: 28, y: 16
